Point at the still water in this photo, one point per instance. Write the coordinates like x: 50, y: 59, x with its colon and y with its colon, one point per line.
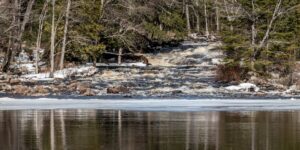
x: 131, y: 130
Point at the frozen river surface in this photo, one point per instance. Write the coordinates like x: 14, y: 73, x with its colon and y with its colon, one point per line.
x: 172, y: 105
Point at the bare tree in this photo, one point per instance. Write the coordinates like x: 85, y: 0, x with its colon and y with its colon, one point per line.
x: 40, y: 32
x: 53, y: 34
x: 13, y: 30
x: 206, y: 18
x: 65, y: 35
x: 187, y: 15
x: 275, y: 15
x: 217, y: 16
x: 25, y: 19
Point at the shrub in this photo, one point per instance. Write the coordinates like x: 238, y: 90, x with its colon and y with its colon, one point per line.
x: 229, y: 73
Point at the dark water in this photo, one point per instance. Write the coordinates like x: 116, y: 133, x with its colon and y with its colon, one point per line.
x: 118, y: 130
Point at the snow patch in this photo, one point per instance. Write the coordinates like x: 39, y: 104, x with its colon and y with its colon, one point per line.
x: 61, y: 74
x: 243, y: 87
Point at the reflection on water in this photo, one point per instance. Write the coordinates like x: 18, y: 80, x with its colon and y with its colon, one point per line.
x: 98, y: 129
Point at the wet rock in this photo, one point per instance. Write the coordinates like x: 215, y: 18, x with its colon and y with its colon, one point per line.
x: 117, y: 90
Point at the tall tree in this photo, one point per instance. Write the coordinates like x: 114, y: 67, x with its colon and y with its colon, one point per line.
x: 65, y: 35
x: 53, y: 34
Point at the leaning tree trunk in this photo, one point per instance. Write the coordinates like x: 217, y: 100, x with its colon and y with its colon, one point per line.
x: 62, y: 58
x: 274, y: 17
x: 25, y: 20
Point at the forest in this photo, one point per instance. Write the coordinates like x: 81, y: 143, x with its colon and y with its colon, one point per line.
x: 258, y: 36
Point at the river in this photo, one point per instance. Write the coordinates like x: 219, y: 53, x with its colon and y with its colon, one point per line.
x: 168, y: 125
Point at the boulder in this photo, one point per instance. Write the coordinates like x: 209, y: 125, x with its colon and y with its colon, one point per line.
x: 89, y: 92
x: 14, y: 81
x: 21, y: 90
x: 117, y: 90
x: 83, y: 88
x: 5, y: 87
x: 72, y: 86
x: 41, y: 90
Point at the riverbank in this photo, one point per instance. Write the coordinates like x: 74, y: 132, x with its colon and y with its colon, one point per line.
x: 188, y: 70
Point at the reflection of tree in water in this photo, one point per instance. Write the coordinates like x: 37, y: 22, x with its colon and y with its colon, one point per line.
x: 92, y: 129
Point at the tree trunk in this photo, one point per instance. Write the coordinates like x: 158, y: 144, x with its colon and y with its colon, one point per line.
x: 197, y: 17
x: 39, y: 37
x: 52, y: 48
x: 206, y: 19
x: 65, y: 36
x: 253, y: 35
x: 13, y: 31
x: 25, y: 20
x: 120, y: 56
x: 187, y: 14
x: 274, y: 17
x: 217, y: 16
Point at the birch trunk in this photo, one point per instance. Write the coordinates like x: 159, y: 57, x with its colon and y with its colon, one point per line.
x: 62, y: 58
x: 217, y: 16
x: 253, y: 35
x: 187, y: 14
x: 197, y: 17
x: 274, y: 17
x: 206, y: 19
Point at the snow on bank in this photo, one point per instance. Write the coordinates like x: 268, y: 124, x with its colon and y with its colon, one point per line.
x: 61, y: 74
x: 243, y: 87
x: 138, y: 64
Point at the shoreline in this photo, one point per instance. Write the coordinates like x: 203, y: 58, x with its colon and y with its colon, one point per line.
x: 152, y: 105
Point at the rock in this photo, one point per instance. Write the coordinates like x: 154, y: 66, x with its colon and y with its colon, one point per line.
x: 21, y: 90
x: 89, y: 92
x: 5, y: 87
x: 3, y: 77
x: 176, y: 92
x: 14, y: 81
x: 41, y: 90
x: 55, y: 89
x: 117, y: 90
x: 83, y: 88
x: 72, y: 86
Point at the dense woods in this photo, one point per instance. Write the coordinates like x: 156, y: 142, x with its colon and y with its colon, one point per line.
x: 260, y: 36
